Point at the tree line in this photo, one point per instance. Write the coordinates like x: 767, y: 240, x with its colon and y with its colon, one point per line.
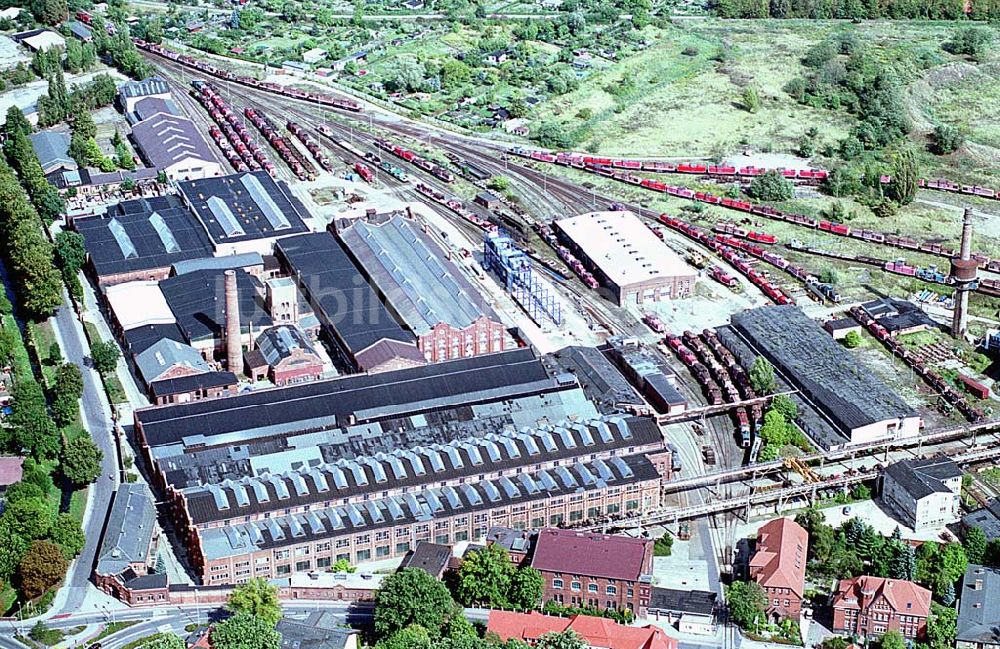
x: 858, y: 9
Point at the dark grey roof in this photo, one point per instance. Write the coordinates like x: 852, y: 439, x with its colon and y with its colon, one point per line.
x: 165, y: 140
x: 145, y: 582
x: 842, y: 323
x: 512, y: 540
x: 198, y: 302
x: 139, y: 339
x: 418, y: 505
x: 363, y: 397
x: 487, y: 197
x: 346, y: 305
x: 150, y: 107
x: 896, y: 315
x: 432, y: 558
x: 978, y: 610
x: 187, y: 384
x: 985, y: 518
x: 923, y: 477
x: 414, y: 275
x: 697, y: 602
x: 79, y: 30
x: 601, y: 381
x: 296, y: 635
x: 849, y: 394
x: 463, y: 459
x: 143, y: 234
x: 150, y: 86
x: 243, y: 207
x: 881, y: 307
x: 664, y: 391
x: 52, y: 149
x: 129, y: 529
x: 277, y: 343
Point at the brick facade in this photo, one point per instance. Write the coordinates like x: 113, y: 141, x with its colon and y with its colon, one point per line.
x: 445, y: 342
x: 870, y: 606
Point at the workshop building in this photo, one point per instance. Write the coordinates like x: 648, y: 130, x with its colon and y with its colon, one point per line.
x: 283, y: 355
x: 175, y: 146
x: 924, y: 493
x: 626, y: 257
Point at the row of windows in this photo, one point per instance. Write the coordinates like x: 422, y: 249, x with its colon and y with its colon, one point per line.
x: 575, y: 586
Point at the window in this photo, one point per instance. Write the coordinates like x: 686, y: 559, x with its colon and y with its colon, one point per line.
x: 575, y: 586
x: 344, y: 556
x: 301, y: 552
x: 441, y: 539
x: 612, y: 590
x: 576, y: 515
x: 461, y: 536
x: 302, y: 565
x: 382, y: 551
x: 323, y: 562
x: 591, y: 588
x: 557, y: 583
x: 284, y: 569
x: 555, y: 519
x: 364, y: 555
x: 402, y: 547
x: 280, y: 554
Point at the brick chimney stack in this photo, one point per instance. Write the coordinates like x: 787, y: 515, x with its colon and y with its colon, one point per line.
x: 234, y: 349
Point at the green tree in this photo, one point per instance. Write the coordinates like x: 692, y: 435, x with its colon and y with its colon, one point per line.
x: 891, y: 640
x: 762, y: 376
x: 410, y: 596
x: 69, y: 380
x: 245, y: 631
x: 904, y: 172
x: 68, y: 535
x: 553, y: 135
x: 412, y: 637
x: 946, y: 139
x: 975, y: 543
x: 31, y: 426
x: 775, y: 430
x: 904, y: 561
x: 771, y: 186
x: 852, y: 339
x: 12, y: 550
x: 750, y: 99
x: 567, y: 639
x: 16, y: 122
x: 784, y: 404
x: 164, y: 641
x: 105, y: 355
x: 81, y: 460
x: 484, y: 578
x: 42, y: 566
x: 747, y: 603
x: 257, y: 597
x: 526, y: 588
x: 941, y: 627
x: 49, y: 12
x: 663, y: 546
x: 940, y: 566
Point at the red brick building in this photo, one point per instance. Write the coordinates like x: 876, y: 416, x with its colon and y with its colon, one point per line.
x: 779, y: 566
x: 595, y: 631
x: 596, y: 570
x: 870, y: 606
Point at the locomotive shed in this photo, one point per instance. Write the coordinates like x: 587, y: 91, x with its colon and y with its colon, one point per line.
x: 626, y: 257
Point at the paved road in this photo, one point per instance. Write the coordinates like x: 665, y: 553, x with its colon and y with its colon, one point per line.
x: 96, y: 415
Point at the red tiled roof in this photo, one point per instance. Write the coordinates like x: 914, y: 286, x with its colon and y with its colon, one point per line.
x: 780, y: 559
x: 10, y: 470
x: 596, y: 631
x: 903, y: 597
x: 594, y: 555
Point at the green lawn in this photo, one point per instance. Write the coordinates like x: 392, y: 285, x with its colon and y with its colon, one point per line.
x: 42, y: 338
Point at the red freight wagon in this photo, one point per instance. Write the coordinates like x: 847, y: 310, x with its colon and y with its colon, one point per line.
x: 977, y: 389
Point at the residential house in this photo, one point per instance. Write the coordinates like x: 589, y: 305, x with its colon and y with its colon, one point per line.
x: 595, y: 631
x: 779, y: 566
x: 52, y: 149
x: 870, y: 606
x: 432, y: 558
x: 518, y: 543
x: 923, y: 493
x: 596, y: 570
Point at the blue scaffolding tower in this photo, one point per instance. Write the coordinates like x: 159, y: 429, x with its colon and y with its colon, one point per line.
x: 513, y: 267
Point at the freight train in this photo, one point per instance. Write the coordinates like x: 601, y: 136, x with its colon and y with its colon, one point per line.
x: 310, y: 143
x: 300, y: 166
x: 207, y: 68
x: 546, y: 233
x: 433, y: 168
x: 243, y: 153
x: 832, y: 227
x: 725, y: 172
x: 932, y: 378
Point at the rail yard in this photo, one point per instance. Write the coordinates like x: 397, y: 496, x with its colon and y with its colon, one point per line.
x: 355, y: 339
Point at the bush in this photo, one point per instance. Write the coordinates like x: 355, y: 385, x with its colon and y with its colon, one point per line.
x: 973, y: 42
x: 772, y: 187
x: 946, y: 139
x: 852, y: 339
x: 663, y: 546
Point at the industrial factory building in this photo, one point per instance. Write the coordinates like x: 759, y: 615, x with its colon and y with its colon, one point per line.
x: 175, y: 146
x: 365, y: 466
x: 353, y: 318
x: 244, y: 212
x: 427, y: 292
x: 859, y: 406
x: 626, y: 257
x: 141, y: 240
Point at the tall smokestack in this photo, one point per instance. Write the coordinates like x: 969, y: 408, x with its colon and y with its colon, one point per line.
x: 963, y: 274
x: 234, y: 349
